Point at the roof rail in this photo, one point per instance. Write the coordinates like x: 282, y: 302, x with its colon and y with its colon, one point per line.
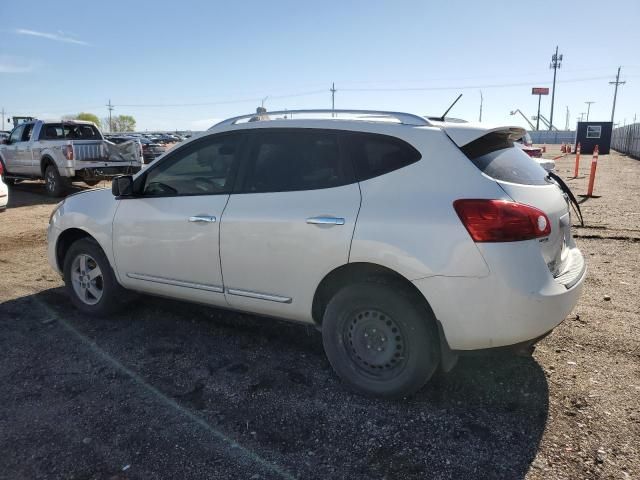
x: 401, y: 117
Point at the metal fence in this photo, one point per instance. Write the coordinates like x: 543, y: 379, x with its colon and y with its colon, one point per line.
x: 627, y: 139
x: 553, y: 136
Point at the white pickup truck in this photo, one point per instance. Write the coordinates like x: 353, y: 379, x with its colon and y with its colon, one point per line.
x: 64, y: 151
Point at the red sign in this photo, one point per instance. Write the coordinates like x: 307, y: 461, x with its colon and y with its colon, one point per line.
x: 540, y: 91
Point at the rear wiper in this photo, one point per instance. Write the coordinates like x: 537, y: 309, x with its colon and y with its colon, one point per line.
x: 572, y: 199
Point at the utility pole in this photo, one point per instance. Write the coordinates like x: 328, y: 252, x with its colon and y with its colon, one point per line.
x: 333, y: 97
x: 615, y: 92
x: 2, y: 112
x: 582, y: 114
x: 556, y: 62
x: 566, y: 122
x: 588, y: 108
x: 110, y: 107
x: 481, y: 100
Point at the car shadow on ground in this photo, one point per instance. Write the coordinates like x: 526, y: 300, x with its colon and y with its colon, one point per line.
x: 28, y: 193
x: 264, y: 383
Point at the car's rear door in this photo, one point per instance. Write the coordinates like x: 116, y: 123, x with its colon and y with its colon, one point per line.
x: 290, y: 223
x: 165, y: 240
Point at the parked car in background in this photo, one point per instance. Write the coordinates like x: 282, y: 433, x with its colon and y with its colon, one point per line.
x: 64, y: 151
x: 525, y: 144
x: 407, y: 242
x: 4, y: 135
x: 4, y: 191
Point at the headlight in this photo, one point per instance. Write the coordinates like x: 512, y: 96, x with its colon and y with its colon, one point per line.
x: 55, y: 210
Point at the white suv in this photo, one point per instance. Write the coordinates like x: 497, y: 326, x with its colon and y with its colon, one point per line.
x: 407, y: 241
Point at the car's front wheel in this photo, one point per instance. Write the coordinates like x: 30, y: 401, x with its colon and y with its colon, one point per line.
x: 90, y: 280
x: 379, y: 340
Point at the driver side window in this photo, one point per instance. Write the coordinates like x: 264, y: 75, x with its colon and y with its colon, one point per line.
x: 205, y: 168
x: 16, y: 135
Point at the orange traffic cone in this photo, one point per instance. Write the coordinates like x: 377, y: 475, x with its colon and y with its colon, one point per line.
x: 592, y: 173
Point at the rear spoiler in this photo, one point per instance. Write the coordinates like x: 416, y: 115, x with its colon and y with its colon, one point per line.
x: 462, y: 134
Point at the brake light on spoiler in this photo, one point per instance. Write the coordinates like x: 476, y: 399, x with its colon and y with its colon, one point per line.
x: 501, y: 220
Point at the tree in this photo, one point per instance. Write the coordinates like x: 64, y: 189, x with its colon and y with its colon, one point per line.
x: 88, y: 117
x: 120, y: 123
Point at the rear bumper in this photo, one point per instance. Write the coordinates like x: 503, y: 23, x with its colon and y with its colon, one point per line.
x: 517, y: 303
x: 102, y: 173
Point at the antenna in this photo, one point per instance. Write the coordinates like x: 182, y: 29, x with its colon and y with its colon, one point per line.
x: 448, y: 109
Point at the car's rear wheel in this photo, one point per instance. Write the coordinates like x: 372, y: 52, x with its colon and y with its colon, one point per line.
x: 55, y: 185
x: 92, y: 183
x: 379, y: 340
x: 90, y: 280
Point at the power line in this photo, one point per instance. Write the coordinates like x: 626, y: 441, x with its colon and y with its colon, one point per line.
x: 110, y: 108
x: 589, y: 103
x: 333, y: 97
x: 556, y: 63
x: 615, y: 93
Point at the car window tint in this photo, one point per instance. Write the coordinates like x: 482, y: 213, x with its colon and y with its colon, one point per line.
x: 511, y: 165
x: 374, y: 155
x: 287, y: 161
x: 26, y: 134
x: 16, y: 135
x: 205, y: 168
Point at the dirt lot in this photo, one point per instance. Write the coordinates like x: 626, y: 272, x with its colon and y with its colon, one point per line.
x: 171, y: 390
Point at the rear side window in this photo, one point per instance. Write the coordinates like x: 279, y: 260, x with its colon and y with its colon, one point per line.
x: 497, y: 158
x: 284, y: 161
x: 374, y: 155
x: 68, y: 131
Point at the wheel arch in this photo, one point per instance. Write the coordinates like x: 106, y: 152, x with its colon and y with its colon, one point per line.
x: 371, y: 272
x: 68, y: 238
x: 44, y: 162
x: 360, y: 272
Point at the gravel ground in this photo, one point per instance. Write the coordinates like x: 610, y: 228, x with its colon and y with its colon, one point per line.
x: 173, y: 390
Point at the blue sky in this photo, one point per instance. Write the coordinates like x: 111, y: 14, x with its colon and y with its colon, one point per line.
x: 206, y: 60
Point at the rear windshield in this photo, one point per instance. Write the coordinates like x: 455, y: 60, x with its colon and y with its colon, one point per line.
x: 500, y: 160
x: 68, y: 131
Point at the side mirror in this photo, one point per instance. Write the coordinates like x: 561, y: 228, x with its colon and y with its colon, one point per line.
x: 6, y: 141
x: 122, y: 186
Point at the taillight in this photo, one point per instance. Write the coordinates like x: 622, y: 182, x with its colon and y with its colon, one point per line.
x: 68, y: 152
x: 1, y: 169
x: 501, y: 220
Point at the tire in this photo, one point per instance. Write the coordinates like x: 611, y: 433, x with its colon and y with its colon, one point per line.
x: 99, y: 296
x: 7, y: 181
x: 379, y: 340
x: 92, y: 183
x: 55, y: 185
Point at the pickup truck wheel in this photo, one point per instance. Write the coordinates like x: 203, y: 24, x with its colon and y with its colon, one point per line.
x: 379, y: 341
x: 90, y: 280
x: 55, y: 185
x: 7, y: 181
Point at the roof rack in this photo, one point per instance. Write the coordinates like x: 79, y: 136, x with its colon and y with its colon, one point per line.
x: 364, y: 115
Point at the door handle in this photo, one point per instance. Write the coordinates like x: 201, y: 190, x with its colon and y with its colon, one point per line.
x: 202, y: 218
x: 325, y: 220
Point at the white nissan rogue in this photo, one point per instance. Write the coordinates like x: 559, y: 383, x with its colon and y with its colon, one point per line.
x: 407, y: 241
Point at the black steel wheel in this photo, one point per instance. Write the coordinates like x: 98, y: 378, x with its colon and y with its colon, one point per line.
x: 379, y: 340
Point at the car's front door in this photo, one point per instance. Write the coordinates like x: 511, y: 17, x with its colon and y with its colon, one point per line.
x: 165, y: 239
x: 9, y: 152
x: 23, y: 155
x: 290, y: 223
